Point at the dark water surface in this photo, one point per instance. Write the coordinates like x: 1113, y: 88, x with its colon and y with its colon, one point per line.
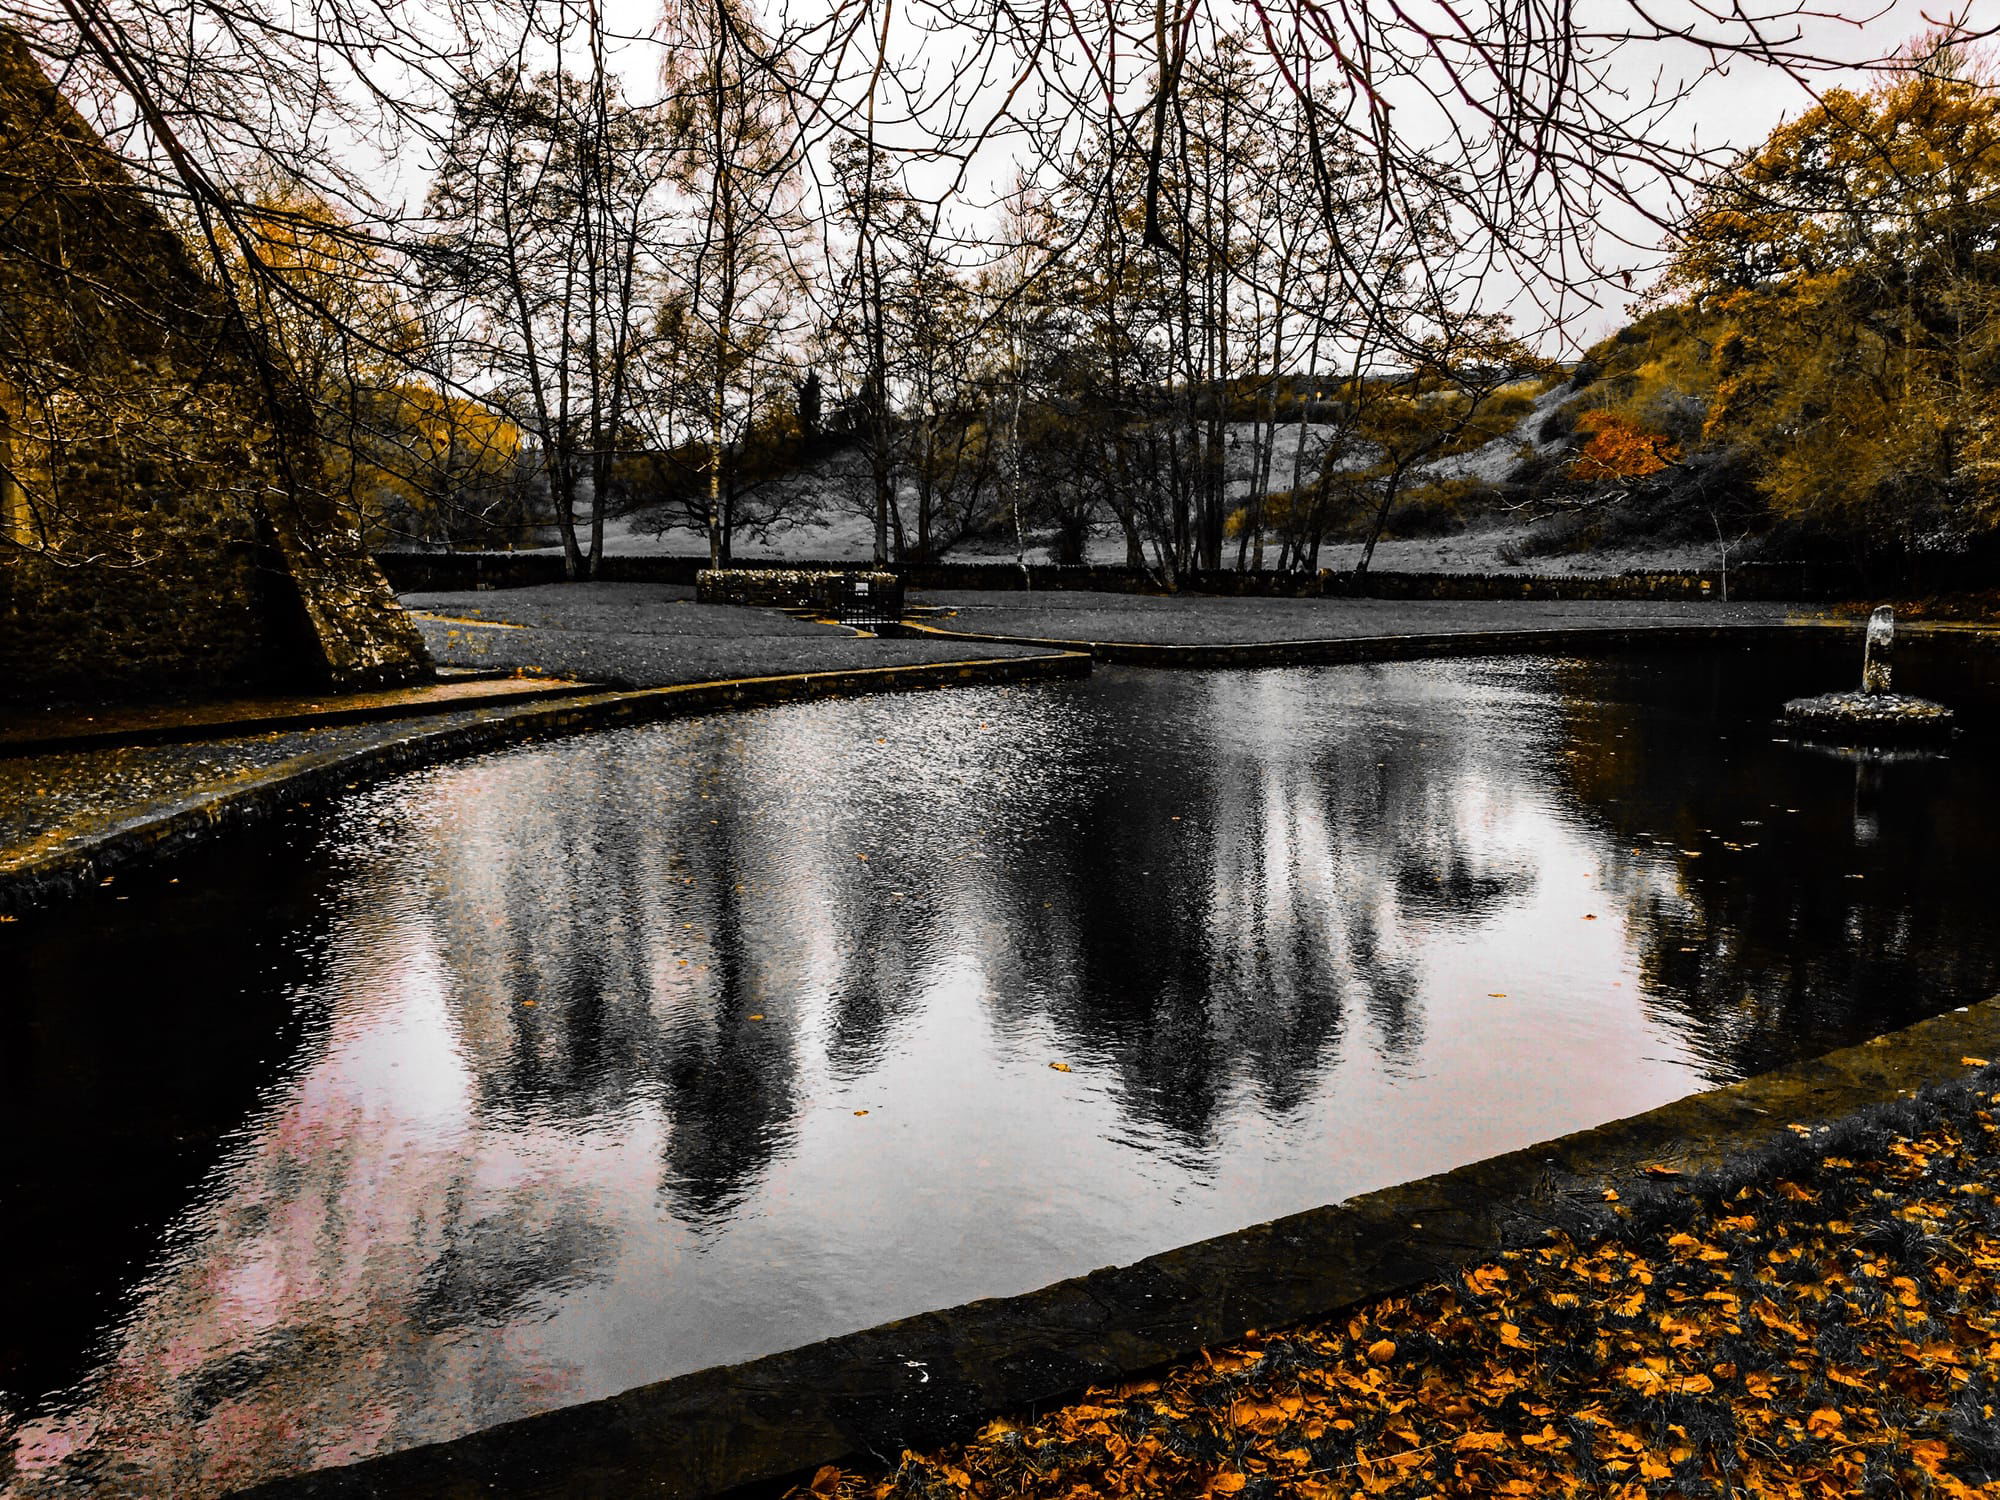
x: 530, y: 1078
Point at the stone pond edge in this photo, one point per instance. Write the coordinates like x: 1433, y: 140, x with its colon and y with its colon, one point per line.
x: 936, y: 1376
x: 70, y: 863
x: 1354, y: 650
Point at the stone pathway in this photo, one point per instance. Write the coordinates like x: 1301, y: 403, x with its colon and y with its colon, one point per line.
x: 638, y: 635
x: 35, y: 731
x: 1206, y: 620
x: 53, y: 798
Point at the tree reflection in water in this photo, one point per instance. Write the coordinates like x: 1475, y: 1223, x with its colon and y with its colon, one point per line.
x: 1788, y: 897
x: 615, y: 1057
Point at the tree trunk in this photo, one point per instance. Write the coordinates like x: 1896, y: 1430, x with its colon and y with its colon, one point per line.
x: 718, y: 544
x: 1392, y: 485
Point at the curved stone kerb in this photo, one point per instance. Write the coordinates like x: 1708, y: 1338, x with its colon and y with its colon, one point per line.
x: 937, y: 1376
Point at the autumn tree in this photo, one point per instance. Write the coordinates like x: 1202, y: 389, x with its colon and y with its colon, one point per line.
x: 1091, y: 362
x: 878, y: 214
x: 952, y: 375
x: 1144, y: 352
x: 1855, y: 260
x: 906, y: 325
x: 1617, y: 448
x: 411, y: 461
x: 433, y: 467
x: 1458, y: 391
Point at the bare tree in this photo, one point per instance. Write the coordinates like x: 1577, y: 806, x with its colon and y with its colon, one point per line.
x: 1535, y: 124
x: 736, y: 161
x: 549, y: 227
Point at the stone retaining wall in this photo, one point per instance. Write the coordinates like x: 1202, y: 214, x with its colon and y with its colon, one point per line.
x: 782, y: 588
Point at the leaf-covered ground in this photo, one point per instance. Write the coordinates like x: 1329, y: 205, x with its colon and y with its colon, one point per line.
x: 1820, y: 1321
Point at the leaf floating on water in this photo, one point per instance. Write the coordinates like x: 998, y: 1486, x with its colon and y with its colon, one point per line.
x: 1060, y: 1067
x: 1590, y: 916
x: 1496, y: 994
x: 859, y: 1112
x: 758, y: 1017
x: 1973, y: 1062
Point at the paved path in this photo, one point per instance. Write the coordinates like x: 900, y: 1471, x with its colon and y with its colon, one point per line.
x: 1191, y: 620
x: 638, y: 635
x: 47, y: 800
x: 33, y: 731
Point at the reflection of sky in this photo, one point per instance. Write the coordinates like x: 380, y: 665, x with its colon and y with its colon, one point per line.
x: 601, y: 1018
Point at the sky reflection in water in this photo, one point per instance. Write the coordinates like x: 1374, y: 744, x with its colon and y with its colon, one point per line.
x: 527, y: 1079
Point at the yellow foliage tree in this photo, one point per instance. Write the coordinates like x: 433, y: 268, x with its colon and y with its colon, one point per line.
x: 1856, y: 255
x: 411, y: 461
x: 437, y: 466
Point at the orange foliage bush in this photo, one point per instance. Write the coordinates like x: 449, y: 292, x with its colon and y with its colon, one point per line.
x: 1619, y: 448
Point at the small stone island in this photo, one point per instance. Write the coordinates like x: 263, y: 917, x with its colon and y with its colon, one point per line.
x: 1876, y: 712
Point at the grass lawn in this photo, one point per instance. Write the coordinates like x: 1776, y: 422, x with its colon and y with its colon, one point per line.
x: 1821, y: 1319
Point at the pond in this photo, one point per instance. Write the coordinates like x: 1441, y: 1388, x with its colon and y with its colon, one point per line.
x: 523, y: 1080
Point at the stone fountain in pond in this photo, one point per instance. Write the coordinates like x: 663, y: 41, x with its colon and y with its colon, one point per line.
x: 1876, y: 712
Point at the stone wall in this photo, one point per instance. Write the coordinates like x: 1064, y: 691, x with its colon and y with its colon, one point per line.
x: 782, y: 588
x: 163, y: 531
